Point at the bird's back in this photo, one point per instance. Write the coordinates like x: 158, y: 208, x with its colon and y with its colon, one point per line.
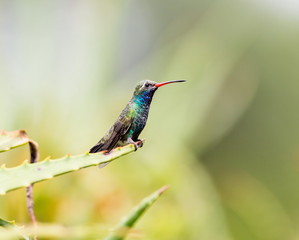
x: 117, y: 131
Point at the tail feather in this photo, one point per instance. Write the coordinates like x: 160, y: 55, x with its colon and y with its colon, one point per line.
x: 97, y: 148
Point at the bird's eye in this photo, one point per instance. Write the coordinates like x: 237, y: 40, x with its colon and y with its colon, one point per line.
x: 147, y: 85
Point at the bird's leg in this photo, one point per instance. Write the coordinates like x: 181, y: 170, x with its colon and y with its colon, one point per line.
x: 140, y: 142
x: 130, y: 140
x: 136, y: 144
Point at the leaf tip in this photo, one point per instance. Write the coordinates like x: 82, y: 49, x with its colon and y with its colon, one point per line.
x: 163, y: 189
x: 22, y: 133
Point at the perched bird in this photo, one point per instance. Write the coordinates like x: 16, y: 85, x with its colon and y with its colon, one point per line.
x: 132, y: 119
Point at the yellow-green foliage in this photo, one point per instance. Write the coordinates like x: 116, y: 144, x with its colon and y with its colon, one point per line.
x: 226, y: 141
x: 26, y: 173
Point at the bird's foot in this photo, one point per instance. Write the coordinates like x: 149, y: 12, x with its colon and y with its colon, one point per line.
x: 137, y: 144
x: 140, y: 142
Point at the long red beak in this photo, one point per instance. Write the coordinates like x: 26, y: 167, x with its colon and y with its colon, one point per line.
x: 165, y: 83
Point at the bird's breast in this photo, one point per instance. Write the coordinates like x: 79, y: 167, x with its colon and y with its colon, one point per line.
x: 140, y: 121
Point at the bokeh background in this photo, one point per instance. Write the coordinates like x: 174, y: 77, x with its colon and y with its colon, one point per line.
x: 226, y: 141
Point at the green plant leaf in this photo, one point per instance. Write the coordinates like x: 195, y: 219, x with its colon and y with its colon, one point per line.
x: 6, y: 223
x: 14, y: 230
x: 122, y: 229
x: 13, y: 139
x: 26, y: 174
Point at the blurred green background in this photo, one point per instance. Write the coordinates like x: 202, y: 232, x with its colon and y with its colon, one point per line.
x: 226, y: 141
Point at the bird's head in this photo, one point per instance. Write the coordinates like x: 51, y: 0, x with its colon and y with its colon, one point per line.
x: 148, y: 86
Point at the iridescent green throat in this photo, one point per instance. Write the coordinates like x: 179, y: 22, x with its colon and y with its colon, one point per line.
x: 143, y: 100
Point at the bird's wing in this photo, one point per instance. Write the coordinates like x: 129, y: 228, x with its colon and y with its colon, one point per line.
x: 115, y: 133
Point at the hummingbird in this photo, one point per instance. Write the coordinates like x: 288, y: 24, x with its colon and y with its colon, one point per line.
x: 132, y: 119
